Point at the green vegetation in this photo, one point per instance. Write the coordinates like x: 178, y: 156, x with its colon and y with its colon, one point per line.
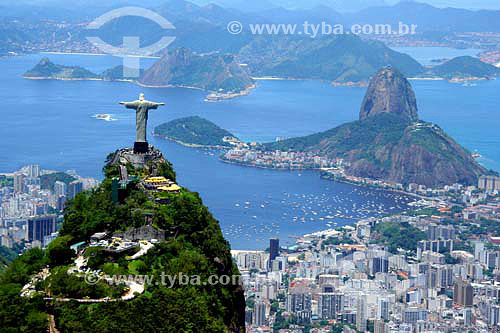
x: 66, y: 285
x: 337, y: 241
x: 46, y: 69
x: 59, y: 252
x: 6, y: 181
x: 18, y: 314
x: 213, y: 72
x: 386, y: 146
x: 6, y: 256
x: 7, y: 253
x: 465, y: 67
x: 333, y: 58
x: 399, y: 235
x: 47, y: 181
x: 365, y: 137
x: 196, y: 247
x: 194, y: 131
x: 116, y: 73
x: 483, y: 227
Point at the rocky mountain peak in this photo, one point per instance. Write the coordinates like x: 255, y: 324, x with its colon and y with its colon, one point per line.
x: 389, y: 92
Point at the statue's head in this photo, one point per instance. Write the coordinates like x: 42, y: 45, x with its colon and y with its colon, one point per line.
x: 141, y: 96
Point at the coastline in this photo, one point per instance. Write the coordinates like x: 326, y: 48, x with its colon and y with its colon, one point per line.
x: 61, y: 78
x: 219, y: 96
x: 345, y: 181
x: 95, y: 54
x: 264, y: 167
x: 190, y: 145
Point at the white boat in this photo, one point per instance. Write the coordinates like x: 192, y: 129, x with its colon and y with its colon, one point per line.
x: 105, y: 116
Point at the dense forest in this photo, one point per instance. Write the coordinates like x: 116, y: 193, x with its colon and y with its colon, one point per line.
x: 194, y: 246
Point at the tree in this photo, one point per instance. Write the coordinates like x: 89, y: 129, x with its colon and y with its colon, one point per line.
x: 59, y: 251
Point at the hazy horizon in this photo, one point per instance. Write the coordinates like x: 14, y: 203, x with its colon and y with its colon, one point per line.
x: 338, y: 4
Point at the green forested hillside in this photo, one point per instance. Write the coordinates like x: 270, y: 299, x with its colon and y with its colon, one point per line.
x: 464, y: 67
x: 194, y: 246
x: 194, y: 130
x: 47, y: 69
x: 332, y: 58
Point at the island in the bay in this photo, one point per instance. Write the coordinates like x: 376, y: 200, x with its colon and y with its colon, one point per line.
x: 342, y: 60
x: 46, y: 69
x: 195, y: 131
x: 219, y: 74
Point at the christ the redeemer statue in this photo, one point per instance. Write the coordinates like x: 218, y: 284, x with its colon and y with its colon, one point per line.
x: 141, y: 107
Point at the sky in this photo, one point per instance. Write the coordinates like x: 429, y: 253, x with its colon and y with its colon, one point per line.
x: 470, y: 4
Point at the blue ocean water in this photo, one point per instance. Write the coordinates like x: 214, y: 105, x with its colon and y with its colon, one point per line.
x: 425, y: 55
x: 51, y: 123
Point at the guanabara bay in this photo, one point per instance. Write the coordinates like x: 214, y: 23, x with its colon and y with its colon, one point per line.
x: 264, y: 166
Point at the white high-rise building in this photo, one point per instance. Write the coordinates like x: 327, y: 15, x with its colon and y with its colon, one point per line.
x: 383, y: 309
x: 34, y: 171
x: 361, y: 314
x: 60, y: 189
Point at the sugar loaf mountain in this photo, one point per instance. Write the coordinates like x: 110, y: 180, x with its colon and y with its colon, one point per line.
x: 389, y: 142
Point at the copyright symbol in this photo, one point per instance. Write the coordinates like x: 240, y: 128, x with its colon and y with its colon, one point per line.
x: 234, y: 27
x: 92, y: 278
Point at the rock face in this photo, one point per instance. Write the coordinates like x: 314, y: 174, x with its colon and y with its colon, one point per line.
x: 424, y: 154
x: 183, y: 68
x: 389, y: 92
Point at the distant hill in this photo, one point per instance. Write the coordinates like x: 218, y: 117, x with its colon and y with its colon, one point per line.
x: 47, y: 69
x: 428, y: 18
x: 194, y: 131
x: 389, y: 143
x: 213, y: 72
x: 332, y: 58
x: 116, y: 73
x: 464, y: 67
x: 47, y: 181
x: 180, y: 68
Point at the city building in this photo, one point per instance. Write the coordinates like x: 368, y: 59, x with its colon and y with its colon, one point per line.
x: 274, y: 249
x: 259, y: 314
x: 463, y: 293
x: 19, y: 183
x: 330, y: 304
x: 74, y: 188
x: 489, y: 183
x: 361, y: 314
x: 39, y: 227
x: 60, y: 188
x: 33, y: 171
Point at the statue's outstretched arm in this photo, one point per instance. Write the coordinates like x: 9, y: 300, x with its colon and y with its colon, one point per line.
x: 129, y: 105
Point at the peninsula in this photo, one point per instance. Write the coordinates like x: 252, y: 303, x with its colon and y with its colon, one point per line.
x: 387, y: 144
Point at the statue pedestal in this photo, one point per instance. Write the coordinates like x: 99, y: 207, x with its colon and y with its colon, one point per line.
x: 141, y: 147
